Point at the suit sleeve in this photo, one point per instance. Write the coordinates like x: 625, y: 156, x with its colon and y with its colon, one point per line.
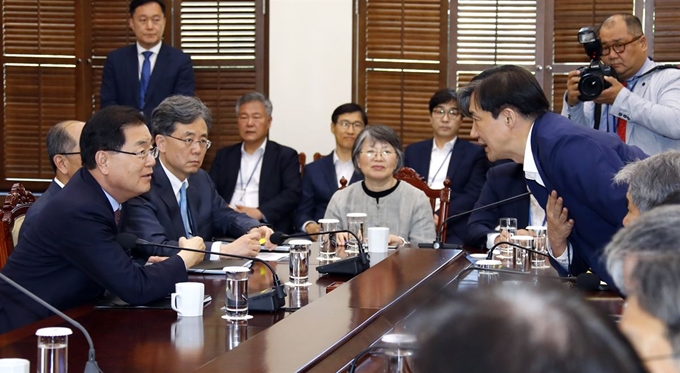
x: 483, y: 222
x: 218, y: 174
x: 107, y: 93
x: 228, y: 222
x: 185, y: 83
x: 465, y: 198
x: 285, y: 202
x: 305, y: 209
x: 140, y: 217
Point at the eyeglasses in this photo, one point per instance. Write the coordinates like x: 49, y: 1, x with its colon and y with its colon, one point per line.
x: 203, y: 143
x: 356, y: 125
x: 69, y: 153
x: 618, y: 47
x: 384, y: 153
x: 439, y: 112
x: 153, y: 152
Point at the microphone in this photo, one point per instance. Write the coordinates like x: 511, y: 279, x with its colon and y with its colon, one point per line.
x: 584, y: 281
x: 350, y: 266
x: 438, y: 244
x: 269, y: 300
x: 490, y: 255
x: 91, y: 365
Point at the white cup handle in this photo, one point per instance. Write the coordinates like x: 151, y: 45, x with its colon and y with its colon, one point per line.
x: 173, y: 302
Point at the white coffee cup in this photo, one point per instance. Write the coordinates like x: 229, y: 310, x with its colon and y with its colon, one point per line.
x: 187, y: 299
x: 378, y: 238
x: 12, y: 365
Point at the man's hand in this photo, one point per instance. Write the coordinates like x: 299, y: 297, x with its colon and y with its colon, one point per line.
x: 505, y: 236
x: 253, y: 212
x: 559, y: 224
x: 265, y: 232
x: 191, y: 258
x: 609, y: 95
x: 312, y: 228
x: 572, y: 87
x: 341, y: 238
x: 246, y: 245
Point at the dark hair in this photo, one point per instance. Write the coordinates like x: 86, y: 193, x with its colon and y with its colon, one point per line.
x: 104, y: 131
x: 633, y: 24
x: 59, y: 141
x: 378, y: 133
x: 134, y: 4
x: 442, y: 96
x: 506, y: 86
x: 346, y: 109
x: 521, y: 329
x: 178, y: 109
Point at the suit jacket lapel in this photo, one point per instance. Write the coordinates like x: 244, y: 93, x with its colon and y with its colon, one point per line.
x: 166, y: 193
x: 425, y: 161
x: 268, y: 165
x: 233, y: 162
x: 457, y: 155
x: 328, y: 169
x: 132, y: 64
x: 193, y: 196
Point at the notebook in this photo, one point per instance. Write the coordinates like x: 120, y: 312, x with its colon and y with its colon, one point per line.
x: 214, y: 267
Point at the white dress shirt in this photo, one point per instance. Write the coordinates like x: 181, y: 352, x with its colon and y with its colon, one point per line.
x: 343, y: 169
x: 439, y: 164
x: 248, y: 182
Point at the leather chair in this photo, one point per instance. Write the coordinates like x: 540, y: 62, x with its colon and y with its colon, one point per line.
x: 14, y: 210
x: 317, y: 156
x: 302, y: 158
x: 410, y: 176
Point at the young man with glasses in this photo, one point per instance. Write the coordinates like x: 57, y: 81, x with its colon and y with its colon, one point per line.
x: 143, y: 74
x: 643, y: 106
x: 322, y: 178
x: 183, y: 201
x: 447, y: 156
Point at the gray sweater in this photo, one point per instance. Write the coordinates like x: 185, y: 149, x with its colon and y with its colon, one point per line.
x: 406, y: 211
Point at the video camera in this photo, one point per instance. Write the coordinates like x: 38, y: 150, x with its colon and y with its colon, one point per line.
x: 592, y: 81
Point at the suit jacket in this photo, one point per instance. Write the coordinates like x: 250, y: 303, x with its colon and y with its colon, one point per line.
x: 155, y: 215
x: 173, y: 74
x: 38, y: 205
x: 318, y: 185
x: 502, y: 181
x: 580, y: 163
x: 467, y: 170
x: 280, y: 188
x: 69, y: 256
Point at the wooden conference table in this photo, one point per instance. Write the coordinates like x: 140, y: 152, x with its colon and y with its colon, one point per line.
x: 321, y: 336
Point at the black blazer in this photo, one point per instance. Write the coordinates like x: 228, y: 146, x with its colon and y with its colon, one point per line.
x: 38, y: 205
x: 467, y: 173
x: 318, y: 185
x: 279, y: 181
x: 155, y: 216
x: 70, y: 255
x: 173, y: 74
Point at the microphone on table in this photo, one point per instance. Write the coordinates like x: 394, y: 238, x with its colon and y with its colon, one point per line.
x: 349, y: 266
x: 270, y: 300
x: 584, y: 281
x: 91, y: 365
x: 438, y: 244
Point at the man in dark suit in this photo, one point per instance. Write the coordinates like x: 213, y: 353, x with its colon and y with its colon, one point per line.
x: 143, y: 74
x: 180, y: 127
x: 70, y: 255
x: 447, y: 156
x: 258, y: 176
x: 64, y: 153
x: 568, y: 168
x: 322, y: 178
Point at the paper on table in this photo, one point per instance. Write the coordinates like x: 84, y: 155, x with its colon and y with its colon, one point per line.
x: 271, y: 257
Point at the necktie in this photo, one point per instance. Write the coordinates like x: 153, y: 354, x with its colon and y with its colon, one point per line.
x: 144, y: 81
x: 183, y: 209
x: 621, y: 124
x: 116, y: 216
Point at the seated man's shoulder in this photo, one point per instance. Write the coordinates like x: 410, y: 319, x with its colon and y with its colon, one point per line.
x: 508, y: 169
x: 469, y: 146
x: 130, y: 48
x: 284, y: 150
x: 418, y: 145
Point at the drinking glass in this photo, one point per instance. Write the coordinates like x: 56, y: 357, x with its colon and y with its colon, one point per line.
x: 237, y: 292
x: 53, y: 350
x: 509, y: 226
x: 356, y: 222
x: 540, y: 245
x: 326, y: 241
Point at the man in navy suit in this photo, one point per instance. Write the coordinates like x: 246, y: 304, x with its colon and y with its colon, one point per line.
x: 180, y: 126
x: 568, y: 168
x: 143, y: 74
x: 447, y: 156
x: 258, y: 176
x: 322, y: 178
x: 70, y: 255
x: 64, y: 153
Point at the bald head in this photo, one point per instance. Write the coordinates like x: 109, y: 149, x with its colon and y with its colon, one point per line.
x: 633, y: 24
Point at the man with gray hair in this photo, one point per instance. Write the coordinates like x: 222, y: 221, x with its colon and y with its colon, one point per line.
x: 64, y: 153
x: 644, y: 261
x: 182, y: 201
x: 650, y: 182
x: 257, y: 176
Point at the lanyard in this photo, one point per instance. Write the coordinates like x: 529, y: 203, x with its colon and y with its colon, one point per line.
x: 441, y: 165
x: 240, y: 174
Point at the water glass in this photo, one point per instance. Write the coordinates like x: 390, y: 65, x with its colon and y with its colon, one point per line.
x: 508, y: 226
x: 326, y: 241
x: 399, y: 352
x: 540, y: 245
x: 53, y: 350
x: 521, y: 256
x: 237, y: 291
x: 356, y: 222
x: 299, y: 261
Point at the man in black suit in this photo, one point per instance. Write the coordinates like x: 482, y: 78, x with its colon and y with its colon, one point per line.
x: 180, y: 126
x: 447, y: 156
x: 143, y: 74
x: 258, y: 176
x: 70, y: 255
x: 322, y: 178
x: 64, y: 154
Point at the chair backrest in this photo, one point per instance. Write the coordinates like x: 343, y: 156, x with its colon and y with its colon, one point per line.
x: 410, y: 176
x: 317, y: 156
x: 302, y: 158
x: 16, y: 204
x: 343, y: 183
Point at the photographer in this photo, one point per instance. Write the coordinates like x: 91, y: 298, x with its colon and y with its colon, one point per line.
x: 643, y: 105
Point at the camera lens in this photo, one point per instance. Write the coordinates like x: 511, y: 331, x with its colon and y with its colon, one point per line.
x: 590, y: 86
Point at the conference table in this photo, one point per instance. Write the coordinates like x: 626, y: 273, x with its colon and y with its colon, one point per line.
x: 320, y: 329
